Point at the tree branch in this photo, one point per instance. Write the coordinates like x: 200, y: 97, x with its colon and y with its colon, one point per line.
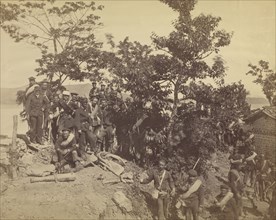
x: 47, y: 18
x: 33, y: 24
x: 41, y: 24
x: 63, y: 79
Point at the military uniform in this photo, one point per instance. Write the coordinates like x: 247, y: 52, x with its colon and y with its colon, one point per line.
x: 236, y: 185
x: 228, y: 210
x: 84, y: 127
x: 263, y: 168
x: 35, y: 105
x: 193, y: 201
x: 250, y: 168
x: 66, y: 149
x: 48, y: 96
x: 94, y: 93
x: 66, y: 116
x: 164, y: 189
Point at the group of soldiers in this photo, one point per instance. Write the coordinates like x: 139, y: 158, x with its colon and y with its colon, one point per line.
x: 253, y: 173
x: 76, y: 124
x: 247, y: 171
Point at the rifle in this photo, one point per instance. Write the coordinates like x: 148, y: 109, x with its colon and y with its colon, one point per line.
x: 62, y: 163
x: 196, y: 163
x: 70, y: 151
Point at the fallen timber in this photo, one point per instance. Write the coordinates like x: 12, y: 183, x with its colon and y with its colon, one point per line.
x: 67, y: 177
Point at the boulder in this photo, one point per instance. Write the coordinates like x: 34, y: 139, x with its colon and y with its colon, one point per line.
x: 127, y: 177
x: 5, y: 159
x: 27, y: 159
x: 122, y: 201
x: 40, y: 170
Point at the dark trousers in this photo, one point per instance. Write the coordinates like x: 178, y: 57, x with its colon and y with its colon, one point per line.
x: 36, y: 131
x: 239, y: 204
x: 190, y: 211
x: 87, y: 137
x: 262, y: 184
x: 45, y: 122
x: 249, y: 175
x: 109, y: 138
x: 193, y: 209
x: 54, y: 129
x: 162, y: 203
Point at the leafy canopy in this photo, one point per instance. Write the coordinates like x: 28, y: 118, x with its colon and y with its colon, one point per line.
x: 64, y: 33
x: 266, y: 77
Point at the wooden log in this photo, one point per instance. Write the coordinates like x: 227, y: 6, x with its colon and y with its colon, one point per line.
x: 14, y: 131
x: 67, y: 177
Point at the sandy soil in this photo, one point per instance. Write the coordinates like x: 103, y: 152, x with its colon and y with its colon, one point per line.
x: 85, y: 198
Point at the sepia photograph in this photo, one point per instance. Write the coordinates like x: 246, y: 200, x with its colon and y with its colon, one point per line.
x: 138, y: 109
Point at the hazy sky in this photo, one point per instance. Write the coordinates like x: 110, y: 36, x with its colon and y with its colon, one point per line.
x: 253, y: 24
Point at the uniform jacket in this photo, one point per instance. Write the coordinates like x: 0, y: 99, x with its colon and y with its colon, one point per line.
x: 230, y: 206
x: 235, y: 181
x: 68, y: 143
x: 94, y: 92
x: 198, y: 195
x: 155, y: 175
x: 67, y: 107
x: 82, y: 119
x: 35, y: 105
x: 230, y: 210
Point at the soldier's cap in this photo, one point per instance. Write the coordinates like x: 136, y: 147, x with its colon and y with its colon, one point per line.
x: 66, y: 129
x: 224, y: 186
x: 74, y: 93
x: 31, y: 78
x: 84, y: 100
x: 102, y: 84
x: 37, y: 88
x: 237, y: 158
x: 66, y: 93
x: 94, y: 82
x: 192, y: 173
x: 44, y: 81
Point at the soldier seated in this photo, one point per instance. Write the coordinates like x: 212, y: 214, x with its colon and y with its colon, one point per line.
x: 225, y: 204
x: 66, y: 149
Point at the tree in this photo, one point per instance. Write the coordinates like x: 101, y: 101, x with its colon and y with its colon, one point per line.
x: 64, y: 33
x: 185, y: 50
x: 266, y: 77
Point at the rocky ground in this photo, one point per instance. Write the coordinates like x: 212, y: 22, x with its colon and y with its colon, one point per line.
x: 95, y: 194
x: 85, y: 198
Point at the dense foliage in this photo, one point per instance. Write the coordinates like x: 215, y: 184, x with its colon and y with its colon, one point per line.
x: 163, y: 81
x: 266, y: 77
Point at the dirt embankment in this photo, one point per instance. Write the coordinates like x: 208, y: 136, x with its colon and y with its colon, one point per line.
x: 95, y: 194
x: 85, y: 198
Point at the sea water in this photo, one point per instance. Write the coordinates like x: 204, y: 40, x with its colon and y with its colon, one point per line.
x: 6, y: 120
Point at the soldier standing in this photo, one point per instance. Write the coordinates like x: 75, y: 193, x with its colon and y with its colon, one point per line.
x: 191, y: 199
x: 35, y: 106
x: 236, y: 184
x: 94, y: 91
x: 164, y: 185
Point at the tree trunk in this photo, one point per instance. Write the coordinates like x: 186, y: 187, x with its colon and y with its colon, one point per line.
x: 174, y: 111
